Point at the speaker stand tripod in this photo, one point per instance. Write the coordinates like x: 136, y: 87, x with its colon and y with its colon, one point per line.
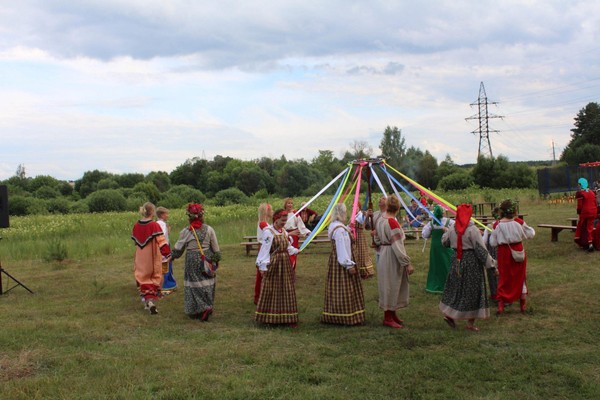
x: 2, y: 291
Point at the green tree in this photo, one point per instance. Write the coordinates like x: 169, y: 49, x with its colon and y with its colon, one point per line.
x: 327, y: 164
x: 129, y: 180
x: 586, y: 133
x: 161, y: 179
x: 446, y: 168
x: 427, y: 170
x: 89, y: 182
x: 146, y: 190
x: 392, y: 147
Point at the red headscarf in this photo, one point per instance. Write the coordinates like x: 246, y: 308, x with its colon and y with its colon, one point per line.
x: 194, y: 212
x: 463, y: 216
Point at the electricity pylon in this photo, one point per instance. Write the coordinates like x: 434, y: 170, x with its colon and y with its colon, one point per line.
x: 485, y: 147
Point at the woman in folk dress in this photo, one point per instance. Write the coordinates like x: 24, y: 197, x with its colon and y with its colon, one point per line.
x: 439, y: 256
x: 465, y: 295
x: 509, y: 235
x: 151, y: 249
x: 200, y: 240
x: 277, y: 299
x: 344, y: 297
x: 394, y: 265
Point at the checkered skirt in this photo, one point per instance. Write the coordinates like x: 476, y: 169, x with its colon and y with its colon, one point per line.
x: 344, y: 297
x: 277, y: 301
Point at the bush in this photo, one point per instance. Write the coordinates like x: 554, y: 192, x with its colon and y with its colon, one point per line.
x: 135, y: 202
x: 37, y: 207
x: 180, y: 195
x: 46, y: 192
x: 456, y: 181
x: 230, y: 196
x: 80, y: 207
x: 58, y: 206
x: 106, y: 200
x: 147, y: 190
x: 18, y: 205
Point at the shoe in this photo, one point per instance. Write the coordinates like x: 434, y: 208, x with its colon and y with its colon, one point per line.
x: 472, y: 328
x: 450, y: 322
x: 204, y: 316
x: 500, y: 308
x: 590, y: 248
x: 396, y: 319
x: 522, y: 304
x: 393, y: 324
x: 150, y: 306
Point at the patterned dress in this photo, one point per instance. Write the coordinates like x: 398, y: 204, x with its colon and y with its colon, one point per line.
x: 465, y: 295
x: 344, y: 297
x: 151, y: 247
x: 198, y: 288
x: 392, y: 276
x: 277, y: 299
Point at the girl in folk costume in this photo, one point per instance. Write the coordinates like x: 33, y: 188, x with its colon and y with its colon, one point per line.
x: 508, y: 236
x: 465, y: 294
x: 169, y: 283
x: 439, y: 256
x: 294, y: 227
x: 344, y: 297
x: 203, y: 250
x: 265, y: 214
x: 491, y: 275
x: 393, y: 267
x: 151, y: 247
x: 587, y: 209
x: 361, y: 245
x: 277, y: 299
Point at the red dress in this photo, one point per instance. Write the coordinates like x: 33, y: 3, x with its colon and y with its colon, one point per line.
x: 587, y: 210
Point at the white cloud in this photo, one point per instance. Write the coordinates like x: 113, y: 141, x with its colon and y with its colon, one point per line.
x: 104, y: 84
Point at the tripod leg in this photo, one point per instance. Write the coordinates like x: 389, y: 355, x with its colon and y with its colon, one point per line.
x: 3, y: 271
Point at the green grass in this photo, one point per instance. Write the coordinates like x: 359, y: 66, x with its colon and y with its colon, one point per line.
x: 84, y: 334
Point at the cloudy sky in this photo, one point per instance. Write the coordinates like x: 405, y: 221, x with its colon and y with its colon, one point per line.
x: 143, y: 85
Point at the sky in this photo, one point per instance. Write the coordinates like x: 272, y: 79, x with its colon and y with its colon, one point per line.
x: 142, y: 85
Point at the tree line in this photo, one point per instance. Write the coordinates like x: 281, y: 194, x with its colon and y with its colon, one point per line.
x: 225, y: 180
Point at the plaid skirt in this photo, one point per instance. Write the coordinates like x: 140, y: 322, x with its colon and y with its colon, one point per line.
x: 277, y: 300
x: 363, y: 254
x: 344, y: 297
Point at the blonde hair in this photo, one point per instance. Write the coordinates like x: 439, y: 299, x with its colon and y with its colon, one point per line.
x: 339, y: 213
x: 263, y: 212
x: 393, y: 204
x: 147, y: 210
x: 286, y: 200
x: 160, y: 211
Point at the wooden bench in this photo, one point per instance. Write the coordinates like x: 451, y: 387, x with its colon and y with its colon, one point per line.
x: 556, y: 229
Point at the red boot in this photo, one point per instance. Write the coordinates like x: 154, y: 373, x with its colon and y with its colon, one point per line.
x: 388, y: 320
x: 522, y: 303
x: 396, y: 319
x: 500, y: 308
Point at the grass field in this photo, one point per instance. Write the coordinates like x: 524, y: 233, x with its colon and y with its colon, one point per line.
x: 84, y: 334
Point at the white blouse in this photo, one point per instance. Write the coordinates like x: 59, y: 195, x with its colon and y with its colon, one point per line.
x: 429, y: 227
x: 264, y: 255
x: 296, y: 223
x: 510, y: 231
x: 343, y: 242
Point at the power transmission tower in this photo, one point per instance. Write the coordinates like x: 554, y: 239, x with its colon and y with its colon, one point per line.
x: 485, y: 147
